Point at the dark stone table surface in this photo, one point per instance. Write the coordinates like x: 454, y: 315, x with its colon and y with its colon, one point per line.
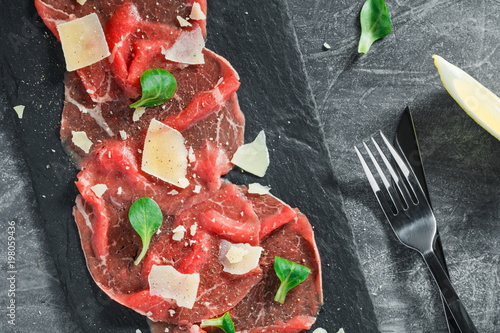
x: 333, y: 100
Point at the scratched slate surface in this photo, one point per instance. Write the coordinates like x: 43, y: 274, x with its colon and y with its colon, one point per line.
x: 276, y: 46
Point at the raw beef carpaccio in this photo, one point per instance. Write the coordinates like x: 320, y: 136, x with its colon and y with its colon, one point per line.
x: 205, y: 111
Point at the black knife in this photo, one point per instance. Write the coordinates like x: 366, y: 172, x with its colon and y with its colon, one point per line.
x: 406, y: 141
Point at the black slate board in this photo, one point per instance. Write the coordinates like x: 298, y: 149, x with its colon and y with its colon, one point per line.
x: 258, y: 39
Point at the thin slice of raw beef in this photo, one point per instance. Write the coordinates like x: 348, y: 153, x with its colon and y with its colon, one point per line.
x: 205, y: 110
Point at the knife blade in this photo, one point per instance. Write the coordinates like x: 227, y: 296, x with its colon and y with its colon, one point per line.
x: 407, y: 143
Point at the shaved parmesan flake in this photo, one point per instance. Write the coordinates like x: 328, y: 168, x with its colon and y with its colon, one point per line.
x: 253, y: 157
x: 19, y: 110
x: 256, y: 188
x: 239, y: 258
x: 197, y: 189
x: 183, y: 22
x: 321, y: 330
x: 191, y: 155
x: 187, y: 49
x: 178, y: 233
x: 99, y: 189
x: 83, y: 42
x: 197, y: 13
x: 120, y: 190
x: 81, y: 140
x: 138, y: 113
x: 123, y: 135
x: 165, y: 155
x: 192, y: 229
x: 81, y: 2
x: 167, y: 282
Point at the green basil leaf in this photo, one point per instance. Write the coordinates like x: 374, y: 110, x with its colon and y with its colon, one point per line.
x: 224, y: 322
x: 146, y: 217
x: 290, y: 274
x: 158, y: 86
x: 375, y: 23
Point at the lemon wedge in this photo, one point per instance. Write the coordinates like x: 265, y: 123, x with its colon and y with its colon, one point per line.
x: 479, y: 102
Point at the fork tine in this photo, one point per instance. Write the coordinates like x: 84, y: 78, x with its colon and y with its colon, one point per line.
x: 408, y: 174
x: 400, y: 185
x: 390, y: 189
x: 373, y: 184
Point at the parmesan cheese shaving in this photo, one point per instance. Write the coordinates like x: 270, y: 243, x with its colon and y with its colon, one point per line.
x: 99, y: 189
x: 178, y: 233
x: 165, y: 155
x: 19, y: 110
x: 138, y: 112
x: 183, y: 22
x: 239, y: 258
x: 81, y: 140
x: 253, y: 157
x: 197, y: 13
x: 81, y: 2
x: 123, y: 135
x: 167, y: 282
x: 83, y: 42
x: 187, y: 49
x: 256, y: 188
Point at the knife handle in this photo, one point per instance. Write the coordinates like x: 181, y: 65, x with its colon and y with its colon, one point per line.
x: 450, y: 297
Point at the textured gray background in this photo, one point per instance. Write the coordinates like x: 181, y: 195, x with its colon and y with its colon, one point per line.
x: 355, y: 96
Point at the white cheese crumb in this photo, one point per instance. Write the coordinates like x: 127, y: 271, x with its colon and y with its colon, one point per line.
x: 138, y: 113
x: 320, y: 330
x: 326, y: 46
x: 19, y: 110
x: 81, y: 140
x: 172, y: 312
x: 149, y: 314
x: 120, y: 190
x: 197, y: 13
x: 197, y: 189
x: 99, y: 189
x: 138, y: 331
x: 123, y: 135
x: 192, y: 229
x: 256, y: 188
x: 183, y: 22
x: 167, y: 330
x: 82, y: 2
x: 173, y: 192
x: 253, y: 157
x: 178, y: 233
x: 191, y: 156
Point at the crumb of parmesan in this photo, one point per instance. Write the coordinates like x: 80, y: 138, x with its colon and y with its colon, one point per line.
x: 197, y: 189
x: 183, y: 22
x: 99, y: 189
x: 178, y: 233
x: 123, y: 135
x: 81, y: 140
x: 197, y: 13
x: 82, y: 2
x: 138, y: 113
x: 19, y: 110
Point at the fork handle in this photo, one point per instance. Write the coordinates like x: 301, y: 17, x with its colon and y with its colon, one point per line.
x: 450, y: 297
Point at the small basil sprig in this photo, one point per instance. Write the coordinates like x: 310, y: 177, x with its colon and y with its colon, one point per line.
x: 375, y: 23
x: 158, y: 86
x: 146, y: 217
x: 224, y: 322
x: 290, y: 274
